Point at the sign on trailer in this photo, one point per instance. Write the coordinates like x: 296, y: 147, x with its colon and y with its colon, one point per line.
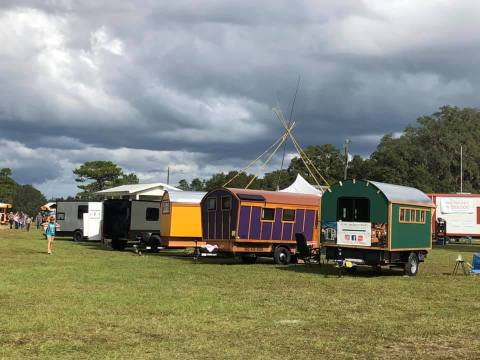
x: 354, y: 233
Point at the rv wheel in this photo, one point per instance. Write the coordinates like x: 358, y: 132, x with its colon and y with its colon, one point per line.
x: 249, y: 258
x: 411, y: 267
x: 282, y: 255
x: 154, y: 243
x: 77, y: 236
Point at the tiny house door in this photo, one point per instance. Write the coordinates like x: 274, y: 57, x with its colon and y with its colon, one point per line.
x: 353, y: 209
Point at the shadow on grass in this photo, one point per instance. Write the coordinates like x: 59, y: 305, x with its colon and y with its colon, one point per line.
x: 458, y: 248
x: 329, y: 270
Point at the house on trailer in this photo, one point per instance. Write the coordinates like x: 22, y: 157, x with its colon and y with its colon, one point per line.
x: 255, y: 223
x: 180, y: 219
x: 373, y: 223
x: 461, y: 213
x: 152, y: 191
x: 4, y: 209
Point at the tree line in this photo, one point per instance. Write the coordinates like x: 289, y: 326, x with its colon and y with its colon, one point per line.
x: 425, y: 156
x: 24, y: 198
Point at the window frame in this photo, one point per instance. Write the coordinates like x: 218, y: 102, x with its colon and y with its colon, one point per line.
x: 80, y: 216
x: 227, y: 197
x: 155, y: 210
x: 262, y: 217
x: 294, y: 215
x: 412, y: 218
x: 214, y: 201
x: 166, y: 210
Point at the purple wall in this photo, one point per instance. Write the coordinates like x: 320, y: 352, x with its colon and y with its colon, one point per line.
x: 219, y: 224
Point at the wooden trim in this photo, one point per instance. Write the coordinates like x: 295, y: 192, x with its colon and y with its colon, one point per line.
x: 424, y: 211
x: 356, y: 247
x: 265, y: 241
x: 411, y: 249
x: 261, y: 214
x: 414, y: 204
x: 390, y: 221
x: 250, y: 221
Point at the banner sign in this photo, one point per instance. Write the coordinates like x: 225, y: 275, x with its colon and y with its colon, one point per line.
x: 453, y: 205
x: 354, y: 233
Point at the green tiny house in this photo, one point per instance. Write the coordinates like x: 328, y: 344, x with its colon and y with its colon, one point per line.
x: 373, y: 223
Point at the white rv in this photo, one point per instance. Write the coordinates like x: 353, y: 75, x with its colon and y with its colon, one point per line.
x: 460, y: 211
x: 126, y: 221
x: 80, y: 219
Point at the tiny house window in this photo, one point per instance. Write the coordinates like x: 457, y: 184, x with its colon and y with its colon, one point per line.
x: 288, y: 215
x: 211, y: 204
x: 353, y: 209
x: 82, y: 209
x: 411, y: 216
x: 226, y: 203
x: 268, y: 214
x: 166, y: 207
x: 152, y: 214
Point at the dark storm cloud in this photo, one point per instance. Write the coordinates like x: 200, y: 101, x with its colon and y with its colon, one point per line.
x: 195, y: 81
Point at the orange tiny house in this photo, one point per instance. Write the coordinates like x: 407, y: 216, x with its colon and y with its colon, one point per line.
x: 180, y: 219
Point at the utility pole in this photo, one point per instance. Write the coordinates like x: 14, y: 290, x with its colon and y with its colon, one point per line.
x: 345, y: 148
x: 168, y: 175
x: 461, y: 168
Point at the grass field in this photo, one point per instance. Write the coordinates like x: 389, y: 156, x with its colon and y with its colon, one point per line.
x: 88, y: 302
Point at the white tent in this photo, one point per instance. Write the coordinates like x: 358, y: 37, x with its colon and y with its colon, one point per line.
x: 302, y: 186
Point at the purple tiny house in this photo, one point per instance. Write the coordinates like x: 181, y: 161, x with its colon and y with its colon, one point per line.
x: 254, y: 222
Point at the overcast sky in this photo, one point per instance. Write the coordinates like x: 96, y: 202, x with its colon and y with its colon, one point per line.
x: 191, y: 84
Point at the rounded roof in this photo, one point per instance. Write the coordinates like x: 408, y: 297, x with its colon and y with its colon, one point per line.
x: 402, y: 194
x: 185, y: 197
x: 277, y: 197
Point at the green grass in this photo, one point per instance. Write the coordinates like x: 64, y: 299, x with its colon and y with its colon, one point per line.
x: 88, y: 302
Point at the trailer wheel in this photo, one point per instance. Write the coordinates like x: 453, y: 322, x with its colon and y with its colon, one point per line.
x: 249, y: 258
x: 118, y: 244
x: 411, y: 267
x: 154, y: 243
x: 282, y: 255
x: 77, y: 236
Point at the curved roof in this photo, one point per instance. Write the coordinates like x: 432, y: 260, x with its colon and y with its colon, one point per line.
x: 186, y: 197
x: 277, y: 197
x: 402, y: 194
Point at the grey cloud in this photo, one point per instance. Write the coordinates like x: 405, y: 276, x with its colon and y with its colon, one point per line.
x: 202, y: 79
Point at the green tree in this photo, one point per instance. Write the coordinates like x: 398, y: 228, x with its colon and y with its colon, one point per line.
x: 197, y: 185
x: 100, y: 175
x: 183, y: 185
x: 28, y: 199
x: 281, y: 178
x: 241, y: 180
x: 7, y: 186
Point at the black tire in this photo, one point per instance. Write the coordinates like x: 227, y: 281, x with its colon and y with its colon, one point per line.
x: 78, y: 236
x: 411, y: 267
x: 118, y: 245
x: 249, y: 258
x: 154, y: 243
x: 282, y: 255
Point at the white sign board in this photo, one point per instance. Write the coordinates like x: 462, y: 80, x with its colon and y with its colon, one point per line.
x: 354, y: 233
x: 456, y: 205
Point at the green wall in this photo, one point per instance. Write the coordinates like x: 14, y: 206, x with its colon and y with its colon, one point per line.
x: 378, y: 202
x: 408, y: 236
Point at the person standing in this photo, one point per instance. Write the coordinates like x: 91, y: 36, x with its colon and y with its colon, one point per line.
x: 28, y: 222
x: 10, y: 219
x: 50, y: 232
x: 38, y: 220
x: 16, y: 219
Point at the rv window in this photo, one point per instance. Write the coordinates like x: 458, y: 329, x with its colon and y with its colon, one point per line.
x: 82, y: 209
x: 60, y: 216
x: 152, y: 214
x: 353, y: 209
x: 226, y: 202
x: 211, y: 204
x: 166, y: 207
x: 288, y: 215
x: 268, y: 214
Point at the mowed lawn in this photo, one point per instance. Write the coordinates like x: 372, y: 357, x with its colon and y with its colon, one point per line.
x: 89, y: 302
